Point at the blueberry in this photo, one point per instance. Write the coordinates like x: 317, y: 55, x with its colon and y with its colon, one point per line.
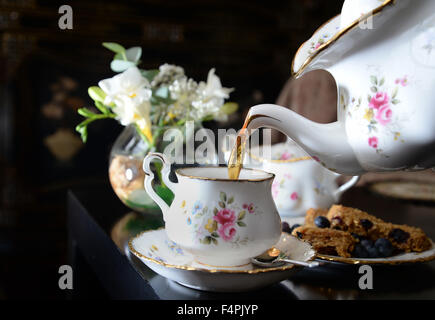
x: 285, y: 227
x: 384, y: 246
x: 367, y: 224
x: 399, y: 235
x: 296, y: 225
x: 359, y: 251
x: 373, y: 252
x: 357, y: 236
x: 371, y: 249
x: 322, y: 222
x: 366, y: 243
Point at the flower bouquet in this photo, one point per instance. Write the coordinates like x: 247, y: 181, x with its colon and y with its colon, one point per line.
x: 148, y: 102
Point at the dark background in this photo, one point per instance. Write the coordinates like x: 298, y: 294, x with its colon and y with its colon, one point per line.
x: 44, y: 76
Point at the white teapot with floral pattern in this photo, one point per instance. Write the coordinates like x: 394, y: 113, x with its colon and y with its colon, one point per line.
x: 382, y: 57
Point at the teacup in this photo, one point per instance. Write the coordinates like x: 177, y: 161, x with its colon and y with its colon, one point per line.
x: 222, y: 222
x: 300, y: 181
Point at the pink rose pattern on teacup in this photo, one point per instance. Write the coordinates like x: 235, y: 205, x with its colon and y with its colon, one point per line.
x: 378, y: 100
x: 223, y: 223
x: 279, y: 185
x: 402, y: 81
x: 380, y: 109
x: 384, y: 114
x: 373, y: 142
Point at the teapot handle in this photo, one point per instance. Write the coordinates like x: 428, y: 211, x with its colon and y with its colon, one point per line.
x: 337, y: 194
x: 149, y: 177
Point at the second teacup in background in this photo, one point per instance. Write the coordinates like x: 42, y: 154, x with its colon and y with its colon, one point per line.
x: 300, y: 182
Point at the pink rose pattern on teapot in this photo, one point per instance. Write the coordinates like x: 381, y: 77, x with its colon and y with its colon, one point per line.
x: 379, y: 110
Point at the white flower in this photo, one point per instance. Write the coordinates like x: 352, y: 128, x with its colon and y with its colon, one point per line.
x: 210, y: 96
x: 130, y: 94
x: 214, y: 87
x: 168, y: 73
x: 183, y: 88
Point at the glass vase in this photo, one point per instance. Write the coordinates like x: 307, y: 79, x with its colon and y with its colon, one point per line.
x: 125, y: 167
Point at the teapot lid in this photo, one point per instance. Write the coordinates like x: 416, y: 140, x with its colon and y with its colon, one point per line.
x: 334, y: 30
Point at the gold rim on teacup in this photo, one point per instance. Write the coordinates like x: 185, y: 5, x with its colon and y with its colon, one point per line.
x: 270, y: 176
x: 336, y: 37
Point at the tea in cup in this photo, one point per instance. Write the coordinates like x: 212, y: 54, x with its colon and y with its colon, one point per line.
x: 222, y: 222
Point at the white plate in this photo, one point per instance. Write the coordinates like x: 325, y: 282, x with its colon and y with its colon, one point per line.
x: 410, y: 257
x: 166, y: 258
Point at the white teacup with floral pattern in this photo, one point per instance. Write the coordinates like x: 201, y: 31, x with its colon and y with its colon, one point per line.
x: 222, y: 222
x: 300, y: 182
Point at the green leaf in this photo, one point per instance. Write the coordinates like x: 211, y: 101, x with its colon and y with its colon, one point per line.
x: 100, y: 106
x: 96, y: 93
x: 241, y: 215
x: 230, y: 200
x: 150, y: 74
x: 229, y: 108
x: 86, y: 112
x: 369, y: 98
x: 374, y: 80
x: 121, y: 65
x: 83, y: 130
x: 215, y: 211
x: 214, y: 241
x: 115, y: 47
x: 119, y: 56
x: 395, y: 101
x: 396, y: 90
x: 209, y: 117
x: 222, y: 204
x: 223, y: 196
x: 241, y: 224
x: 382, y: 81
x: 165, y: 193
x: 374, y: 89
x: 133, y: 54
x: 214, y: 234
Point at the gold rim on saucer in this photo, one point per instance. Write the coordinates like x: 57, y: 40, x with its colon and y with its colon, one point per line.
x: 190, y: 268
x: 355, y: 261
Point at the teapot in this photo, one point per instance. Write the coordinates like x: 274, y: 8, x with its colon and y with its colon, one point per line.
x: 381, y: 55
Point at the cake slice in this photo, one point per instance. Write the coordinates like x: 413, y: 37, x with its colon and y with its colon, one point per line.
x: 312, y: 214
x: 327, y: 241
x: 361, y: 223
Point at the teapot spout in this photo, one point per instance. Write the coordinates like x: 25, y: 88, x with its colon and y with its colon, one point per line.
x: 326, y: 143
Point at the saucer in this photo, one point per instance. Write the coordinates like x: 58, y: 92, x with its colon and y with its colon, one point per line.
x: 167, y: 259
x: 403, y: 258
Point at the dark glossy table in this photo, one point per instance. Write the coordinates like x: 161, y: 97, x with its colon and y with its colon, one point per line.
x: 99, y: 226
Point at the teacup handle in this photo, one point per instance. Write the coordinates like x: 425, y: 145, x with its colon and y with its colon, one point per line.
x: 149, y: 177
x: 337, y: 194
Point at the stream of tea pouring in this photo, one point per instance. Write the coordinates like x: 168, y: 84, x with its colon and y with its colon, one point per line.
x: 235, y: 162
